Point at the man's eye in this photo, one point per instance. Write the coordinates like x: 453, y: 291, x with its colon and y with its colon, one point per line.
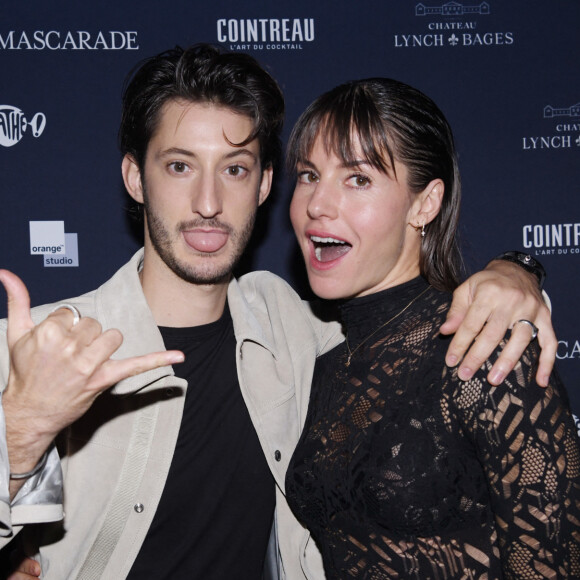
x: 179, y: 167
x: 236, y: 170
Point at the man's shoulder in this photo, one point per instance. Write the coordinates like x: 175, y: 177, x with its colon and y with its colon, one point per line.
x: 266, y: 285
x: 273, y: 303
x: 87, y: 302
x: 38, y: 313
x: 263, y: 278
x: 265, y: 295
x: 84, y: 303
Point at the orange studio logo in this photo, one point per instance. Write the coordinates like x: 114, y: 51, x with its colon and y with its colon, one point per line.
x: 13, y: 125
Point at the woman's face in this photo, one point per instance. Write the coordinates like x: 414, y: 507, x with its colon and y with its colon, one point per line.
x: 355, y: 225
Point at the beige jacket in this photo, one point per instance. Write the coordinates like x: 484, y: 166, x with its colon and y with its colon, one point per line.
x: 115, y: 459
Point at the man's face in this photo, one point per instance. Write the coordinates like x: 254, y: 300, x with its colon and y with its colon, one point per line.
x: 200, y: 191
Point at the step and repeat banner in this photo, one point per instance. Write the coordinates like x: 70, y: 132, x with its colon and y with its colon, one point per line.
x: 506, y: 74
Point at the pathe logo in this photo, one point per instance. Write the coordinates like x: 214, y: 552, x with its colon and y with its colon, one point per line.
x: 13, y: 125
x: 265, y: 33
x: 566, y: 130
x: 59, y: 249
x: 453, y: 24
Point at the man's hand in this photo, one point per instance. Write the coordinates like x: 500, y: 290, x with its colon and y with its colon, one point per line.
x: 484, y: 307
x: 57, y: 370
x: 28, y: 569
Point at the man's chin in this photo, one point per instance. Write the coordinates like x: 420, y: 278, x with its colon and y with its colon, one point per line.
x: 204, y: 276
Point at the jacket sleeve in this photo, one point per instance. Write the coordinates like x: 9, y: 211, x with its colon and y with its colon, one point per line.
x: 40, y: 498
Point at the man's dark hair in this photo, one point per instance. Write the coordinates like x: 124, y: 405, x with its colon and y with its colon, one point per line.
x: 202, y: 74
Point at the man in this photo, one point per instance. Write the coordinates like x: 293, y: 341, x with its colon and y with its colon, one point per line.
x: 172, y: 475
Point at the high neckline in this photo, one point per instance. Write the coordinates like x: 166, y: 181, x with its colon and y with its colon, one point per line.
x: 359, y: 315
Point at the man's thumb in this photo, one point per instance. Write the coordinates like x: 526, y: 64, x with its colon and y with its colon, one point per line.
x: 19, y: 320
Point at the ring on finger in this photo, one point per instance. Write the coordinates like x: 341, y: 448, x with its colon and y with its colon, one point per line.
x: 73, y: 309
x: 531, y: 324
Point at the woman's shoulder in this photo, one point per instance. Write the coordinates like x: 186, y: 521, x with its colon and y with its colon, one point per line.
x: 427, y: 316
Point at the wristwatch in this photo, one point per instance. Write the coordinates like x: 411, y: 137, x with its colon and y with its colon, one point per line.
x: 528, y: 263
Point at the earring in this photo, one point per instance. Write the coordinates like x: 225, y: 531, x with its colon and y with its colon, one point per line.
x: 423, y: 230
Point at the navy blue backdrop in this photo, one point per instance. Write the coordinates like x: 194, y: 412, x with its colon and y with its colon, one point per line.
x: 505, y: 74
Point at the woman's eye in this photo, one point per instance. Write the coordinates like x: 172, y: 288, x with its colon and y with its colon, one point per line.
x: 360, y: 180
x: 307, y: 177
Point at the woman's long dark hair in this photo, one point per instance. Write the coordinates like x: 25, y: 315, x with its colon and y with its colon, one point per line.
x: 392, y: 121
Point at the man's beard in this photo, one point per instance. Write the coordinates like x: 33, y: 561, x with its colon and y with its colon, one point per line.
x: 161, y: 239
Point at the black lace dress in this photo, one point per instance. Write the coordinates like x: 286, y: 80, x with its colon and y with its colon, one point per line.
x: 404, y: 471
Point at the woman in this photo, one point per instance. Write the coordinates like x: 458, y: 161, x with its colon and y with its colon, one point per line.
x: 403, y: 470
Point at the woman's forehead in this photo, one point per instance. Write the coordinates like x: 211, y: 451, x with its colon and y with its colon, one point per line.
x: 351, y: 147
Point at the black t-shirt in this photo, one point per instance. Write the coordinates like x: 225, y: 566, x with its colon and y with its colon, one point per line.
x: 216, y: 510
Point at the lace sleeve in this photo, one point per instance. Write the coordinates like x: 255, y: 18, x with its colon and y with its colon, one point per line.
x: 527, y: 443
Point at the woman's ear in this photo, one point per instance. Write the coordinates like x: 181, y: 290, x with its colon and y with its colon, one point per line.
x: 132, y: 178
x: 429, y: 203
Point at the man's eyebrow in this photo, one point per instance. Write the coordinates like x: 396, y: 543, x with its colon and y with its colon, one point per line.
x: 187, y: 153
x: 241, y: 151
x: 175, y: 151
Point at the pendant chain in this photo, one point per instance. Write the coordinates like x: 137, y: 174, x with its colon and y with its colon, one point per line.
x: 351, y: 352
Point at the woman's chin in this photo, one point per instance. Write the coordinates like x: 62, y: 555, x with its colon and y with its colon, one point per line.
x: 327, y: 289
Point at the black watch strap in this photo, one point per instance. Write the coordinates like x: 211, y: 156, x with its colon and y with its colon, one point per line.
x: 527, y: 262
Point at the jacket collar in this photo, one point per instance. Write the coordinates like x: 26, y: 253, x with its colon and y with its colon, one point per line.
x: 120, y: 303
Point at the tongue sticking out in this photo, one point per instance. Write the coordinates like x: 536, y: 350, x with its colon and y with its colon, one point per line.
x: 206, y: 241
x: 329, y: 252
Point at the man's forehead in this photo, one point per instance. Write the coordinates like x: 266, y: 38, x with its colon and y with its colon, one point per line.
x: 205, y: 120
x: 183, y: 108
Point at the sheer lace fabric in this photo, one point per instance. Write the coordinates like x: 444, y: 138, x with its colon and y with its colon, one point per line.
x: 404, y: 471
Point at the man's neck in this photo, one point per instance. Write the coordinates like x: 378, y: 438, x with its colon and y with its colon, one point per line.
x: 177, y: 303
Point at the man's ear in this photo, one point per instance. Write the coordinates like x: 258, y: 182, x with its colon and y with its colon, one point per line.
x: 429, y: 203
x: 132, y: 178
x: 265, y: 184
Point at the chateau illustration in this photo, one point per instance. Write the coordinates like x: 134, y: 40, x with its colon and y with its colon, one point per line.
x: 451, y: 9
x: 572, y: 111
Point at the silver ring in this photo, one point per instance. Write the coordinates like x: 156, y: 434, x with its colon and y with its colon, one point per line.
x: 531, y: 324
x: 73, y: 309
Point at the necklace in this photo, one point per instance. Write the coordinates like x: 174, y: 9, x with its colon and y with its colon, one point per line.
x: 351, y: 352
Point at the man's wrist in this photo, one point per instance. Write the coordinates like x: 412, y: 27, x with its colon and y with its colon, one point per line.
x: 26, y: 448
x: 38, y: 467
x: 527, y: 262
